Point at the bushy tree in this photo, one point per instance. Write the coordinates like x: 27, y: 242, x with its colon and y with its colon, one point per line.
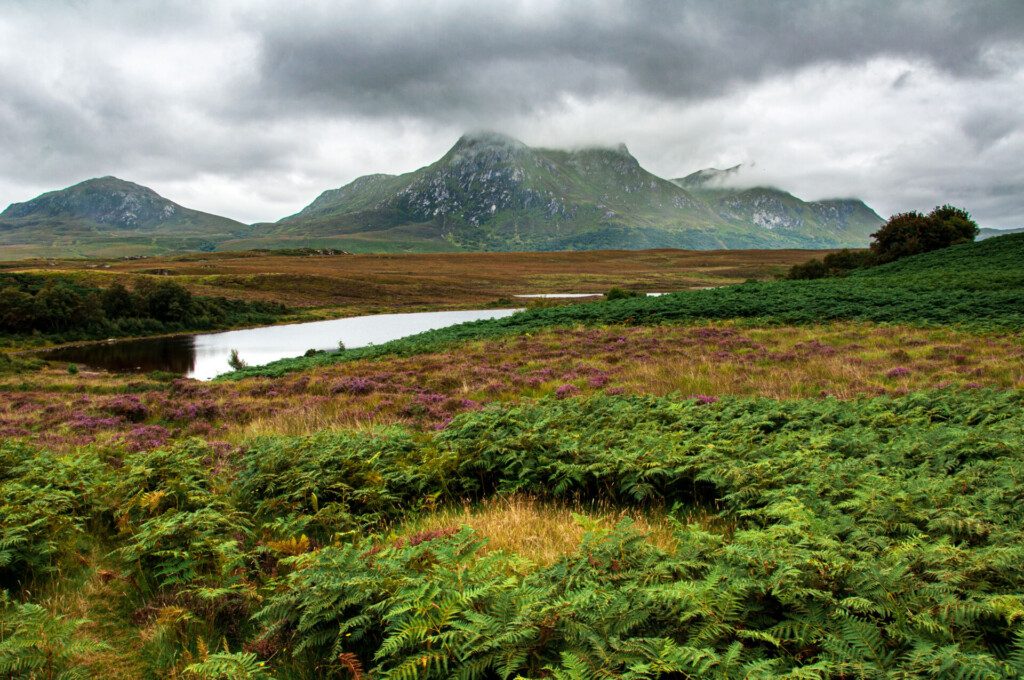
x: 911, y: 232
x: 165, y: 301
x: 117, y: 302
x: 17, y: 313
x: 812, y: 269
x: 622, y: 294
x: 833, y: 264
x: 60, y: 306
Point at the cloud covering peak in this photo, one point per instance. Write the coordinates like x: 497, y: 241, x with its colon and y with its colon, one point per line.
x: 251, y: 109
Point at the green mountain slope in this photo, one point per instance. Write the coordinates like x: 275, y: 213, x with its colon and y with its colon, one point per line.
x: 108, y: 215
x: 841, y: 221
x: 493, y: 192
x: 488, y: 192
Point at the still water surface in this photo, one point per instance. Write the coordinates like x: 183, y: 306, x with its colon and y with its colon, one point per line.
x: 206, y: 356
x: 574, y: 295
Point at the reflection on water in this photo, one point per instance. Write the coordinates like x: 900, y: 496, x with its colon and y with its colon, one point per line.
x: 206, y: 356
x: 573, y: 295
x: 560, y: 295
x: 176, y: 354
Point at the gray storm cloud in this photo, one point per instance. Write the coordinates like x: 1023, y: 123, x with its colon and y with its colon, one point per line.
x: 481, y: 57
x: 251, y: 109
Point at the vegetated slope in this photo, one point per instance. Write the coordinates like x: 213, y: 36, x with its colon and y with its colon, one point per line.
x: 826, y: 539
x: 491, y: 192
x: 109, y: 213
x: 842, y: 221
x: 979, y: 285
x: 844, y: 544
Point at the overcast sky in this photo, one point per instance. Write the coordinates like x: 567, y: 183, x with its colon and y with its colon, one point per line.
x: 250, y: 109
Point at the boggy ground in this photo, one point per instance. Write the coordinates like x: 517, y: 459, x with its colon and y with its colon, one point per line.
x: 844, y: 360
x: 353, y: 284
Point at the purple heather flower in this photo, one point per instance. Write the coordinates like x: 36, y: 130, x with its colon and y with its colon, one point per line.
x: 128, y: 406
x: 354, y: 385
x: 563, y: 391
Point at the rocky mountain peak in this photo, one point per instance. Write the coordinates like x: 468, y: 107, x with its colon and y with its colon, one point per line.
x: 104, y: 200
x: 708, y: 178
x: 486, y: 142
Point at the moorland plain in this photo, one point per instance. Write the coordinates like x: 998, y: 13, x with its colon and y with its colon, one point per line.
x: 770, y: 479
x: 359, y: 283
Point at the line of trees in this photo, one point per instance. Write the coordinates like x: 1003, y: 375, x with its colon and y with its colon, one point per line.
x: 60, y: 306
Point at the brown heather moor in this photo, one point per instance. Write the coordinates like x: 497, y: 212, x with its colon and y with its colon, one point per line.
x: 353, y: 284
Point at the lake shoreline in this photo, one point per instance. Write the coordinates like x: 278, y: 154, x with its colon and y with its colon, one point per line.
x: 23, y: 351
x: 207, y: 355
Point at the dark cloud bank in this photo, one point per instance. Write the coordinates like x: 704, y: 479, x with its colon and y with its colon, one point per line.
x: 251, y: 109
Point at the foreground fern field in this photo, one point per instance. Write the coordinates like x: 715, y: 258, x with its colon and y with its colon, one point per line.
x: 714, y: 484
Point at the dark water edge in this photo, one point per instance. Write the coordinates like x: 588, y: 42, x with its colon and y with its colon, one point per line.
x: 174, y: 354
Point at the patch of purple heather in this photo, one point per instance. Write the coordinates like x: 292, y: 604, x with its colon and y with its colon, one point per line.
x: 87, y: 423
x: 145, y: 437
x: 128, y: 406
x: 194, y: 410
x: 897, y: 372
x: 354, y: 385
x: 430, y: 398
x: 565, y: 391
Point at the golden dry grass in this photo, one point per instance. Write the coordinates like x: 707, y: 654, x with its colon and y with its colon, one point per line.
x: 843, y: 360
x: 89, y: 591
x: 544, y: 531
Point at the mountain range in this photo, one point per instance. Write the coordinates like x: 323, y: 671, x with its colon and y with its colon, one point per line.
x: 488, y: 192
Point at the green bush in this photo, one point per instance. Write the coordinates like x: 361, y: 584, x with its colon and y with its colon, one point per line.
x: 179, y: 529
x: 833, y: 264
x: 334, y: 482
x: 912, y: 233
x: 622, y: 294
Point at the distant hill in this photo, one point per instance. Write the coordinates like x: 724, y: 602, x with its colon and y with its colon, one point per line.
x: 109, y: 216
x: 986, y: 232
x: 492, y: 192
